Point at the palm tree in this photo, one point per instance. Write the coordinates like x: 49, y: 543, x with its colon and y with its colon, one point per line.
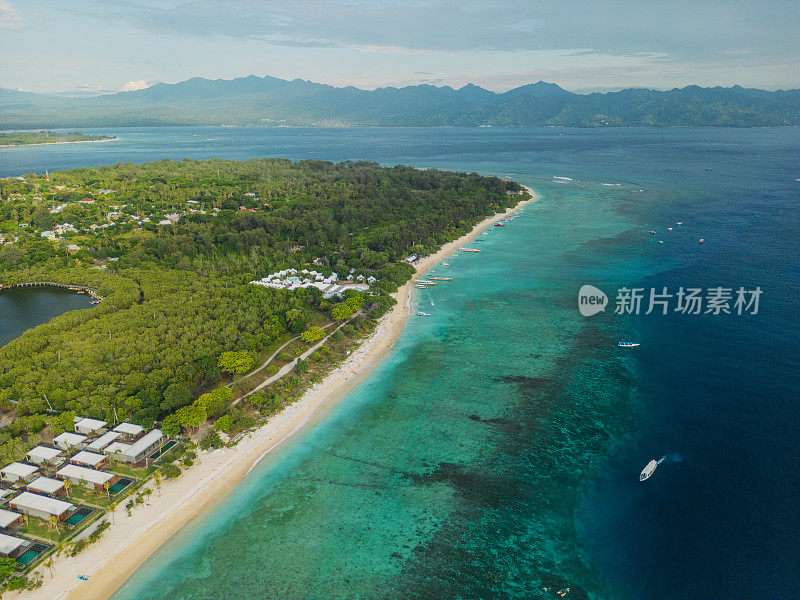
x: 49, y: 565
x: 157, y: 476
x: 111, y: 508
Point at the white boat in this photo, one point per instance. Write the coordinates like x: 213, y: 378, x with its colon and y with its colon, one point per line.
x: 650, y: 468
x: 423, y: 314
x: 445, y: 264
x: 623, y: 344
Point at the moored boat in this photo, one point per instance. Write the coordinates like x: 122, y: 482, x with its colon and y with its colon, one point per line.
x: 468, y: 250
x: 624, y: 344
x: 440, y: 278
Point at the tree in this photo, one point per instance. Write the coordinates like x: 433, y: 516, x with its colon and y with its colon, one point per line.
x: 216, y: 401
x: 171, y: 471
x: 312, y: 334
x: 236, y: 362
x: 191, y: 416
x: 224, y: 423
x: 296, y: 319
x: 171, y: 425
x: 341, y: 312
x: 175, y: 396
x: 8, y: 567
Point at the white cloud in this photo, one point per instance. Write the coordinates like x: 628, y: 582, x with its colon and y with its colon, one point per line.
x: 10, y: 17
x: 137, y: 85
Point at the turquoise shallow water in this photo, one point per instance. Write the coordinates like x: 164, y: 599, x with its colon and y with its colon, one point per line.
x: 495, y: 453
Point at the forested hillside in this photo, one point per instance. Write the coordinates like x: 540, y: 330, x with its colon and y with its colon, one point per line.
x: 172, y: 246
x: 271, y: 101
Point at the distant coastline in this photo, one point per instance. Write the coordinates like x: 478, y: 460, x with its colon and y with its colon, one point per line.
x: 10, y: 139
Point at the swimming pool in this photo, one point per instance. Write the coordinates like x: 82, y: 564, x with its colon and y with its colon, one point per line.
x: 79, y: 515
x: 164, y: 449
x: 120, y: 485
x: 31, y: 553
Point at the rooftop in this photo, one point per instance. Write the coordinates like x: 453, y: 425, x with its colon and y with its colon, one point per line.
x: 88, y: 458
x: 45, y: 485
x: 90, y: 475
x: 43, y: 503
x: 9, y: 543
x: 129, y: 429
x: 7, y: 517
x: 19, y: 469
x: 103, y: 441
x: 43, y: 452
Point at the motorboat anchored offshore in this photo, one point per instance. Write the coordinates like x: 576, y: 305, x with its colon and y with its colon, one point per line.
x: 623, y: 344
x: 650, y: 468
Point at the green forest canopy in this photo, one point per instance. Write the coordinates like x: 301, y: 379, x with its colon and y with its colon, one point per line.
x: 177, y: 296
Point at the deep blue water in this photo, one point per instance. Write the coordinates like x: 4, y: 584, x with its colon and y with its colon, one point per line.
x: 25, y: 308
x: 496, y: 451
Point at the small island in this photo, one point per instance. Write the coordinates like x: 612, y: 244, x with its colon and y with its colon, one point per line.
x: 24, y: 138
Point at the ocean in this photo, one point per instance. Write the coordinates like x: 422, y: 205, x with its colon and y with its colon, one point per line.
x: 496, y: 451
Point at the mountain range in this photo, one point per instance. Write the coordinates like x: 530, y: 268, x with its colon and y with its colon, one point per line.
x: 273, y: 102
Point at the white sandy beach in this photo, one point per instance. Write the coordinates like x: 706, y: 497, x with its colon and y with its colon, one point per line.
x: 130, y: 540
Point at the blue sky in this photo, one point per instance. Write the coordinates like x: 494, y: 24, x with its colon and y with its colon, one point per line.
x: 55, y: 46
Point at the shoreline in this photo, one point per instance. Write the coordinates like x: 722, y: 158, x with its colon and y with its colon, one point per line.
x: 125, y: 546
x: 51, y: 143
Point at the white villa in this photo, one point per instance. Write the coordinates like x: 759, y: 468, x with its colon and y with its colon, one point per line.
x: 42, y: 506
x: 68, y: 440
x: 18, y: 471
x: 89, y: 478
x: 88, y: 426
x: 11, y: 546
x: 88, y: 459
x: 42, y: 454
x: 103, y: 441
x: 45, y: 485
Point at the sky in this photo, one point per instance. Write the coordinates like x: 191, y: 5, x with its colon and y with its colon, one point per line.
x: 112, y: 45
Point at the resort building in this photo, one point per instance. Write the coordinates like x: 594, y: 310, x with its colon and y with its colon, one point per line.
x: 89, y: 478
x: 115, y: 449
x: 43, y: 454
x: 68, y: 440
x: 42, y: 506
x: 46, y: 485
x: 11, y: 547
x: 139, y: 450
x: 129, y: 431
x: 88, y: 426
x: 17, y: 471
x: 88, y: 459
x: 103, y: 441
x: 9, y: 518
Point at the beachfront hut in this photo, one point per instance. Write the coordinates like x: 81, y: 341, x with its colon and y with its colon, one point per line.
x: 129, y: 431
x: 68, y: 440
x: 11, y: 547
x: 103, y: 441
x: 42, y: 454
x: 9, y: 518
x: 42, y: 506
x: 88, y: 459
x: 18, y: 471
x: 89, y: 478
x: 46, y: 485
x: 89, y: 426
x: 140, y: 449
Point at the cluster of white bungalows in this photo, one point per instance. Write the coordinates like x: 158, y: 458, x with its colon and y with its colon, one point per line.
x: 95, y: 445
x: 291, y: 279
